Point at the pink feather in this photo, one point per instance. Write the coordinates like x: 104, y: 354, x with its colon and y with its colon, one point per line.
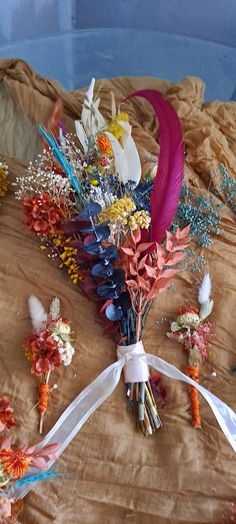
x: 168, y: 181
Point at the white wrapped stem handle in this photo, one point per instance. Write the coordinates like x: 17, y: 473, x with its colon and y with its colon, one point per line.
x: 135, y: 368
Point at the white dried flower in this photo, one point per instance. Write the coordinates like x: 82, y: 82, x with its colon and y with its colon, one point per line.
x: 37, y: 313
x: 55, y: 308
x: 66, y: 353
x: 204, y: 295
x: 204, y: 292
x: 61, y: 328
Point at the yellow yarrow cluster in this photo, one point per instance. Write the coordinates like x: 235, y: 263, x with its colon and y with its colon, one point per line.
x: 94, y: 182
x: 67, y: 256
x: 115, y: 128
x: 3, y: 178
x: 28, y: 353
x: 139, y: 219
x: 119, y: 211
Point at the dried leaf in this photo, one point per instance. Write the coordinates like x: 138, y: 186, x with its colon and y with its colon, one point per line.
x: 175, y: 258
x: 104, y: 306
x: 131, y: 283
x: 157, y: 288
x: 142, y: 262
x: 132, y: 269
x: 169, y: 273
x: 182, y: 233
x: 143, y: 284
x: 169, y: 241
x: 151, y: 271
x: 145, y: 246
x: 128, y: 251
x: 38, y: 462
x: 136, y: 235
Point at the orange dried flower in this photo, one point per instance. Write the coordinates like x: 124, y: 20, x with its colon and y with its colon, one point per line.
x: 15, y: 463
x: 104, y: 144
x: 189, y: 309
x: 43, y: 215
x: 7, y: 420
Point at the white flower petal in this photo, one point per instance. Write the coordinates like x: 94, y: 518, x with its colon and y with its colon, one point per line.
x: 131, y: 168
x: 89, y: 93
x: 81, y: 135
x: 91, y: 117
x: 113, y: 106
x: 118, y: 152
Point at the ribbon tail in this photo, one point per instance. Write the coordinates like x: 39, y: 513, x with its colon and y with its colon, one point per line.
x: 75, y: 416
x: 223, y: 413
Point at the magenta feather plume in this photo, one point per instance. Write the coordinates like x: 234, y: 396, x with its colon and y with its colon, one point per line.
x: 168, y: 181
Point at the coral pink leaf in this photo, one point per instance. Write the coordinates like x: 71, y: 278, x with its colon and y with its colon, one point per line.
x: 30, y: 450
x: 144, y: 284
x: 136, y: 235
x: 168, y: 181
x: 142, y: 262
x: 182, y: 233
x: 38, y: 462
x: 175, y: 258
x: 151, y: 271
x: 132, y: 269
x: 158, y: 287
x: 179, y: 247
x: 169, y: 241
x: 144, y: 247
x: 48, y: 451
x: 104, y: 306
x: 132, y: 283
x: 128, y: 251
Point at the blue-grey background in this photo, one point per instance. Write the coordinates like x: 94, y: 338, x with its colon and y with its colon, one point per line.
x: 71, y: 40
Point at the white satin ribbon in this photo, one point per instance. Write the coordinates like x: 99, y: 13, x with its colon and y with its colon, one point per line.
x: 86, y: 403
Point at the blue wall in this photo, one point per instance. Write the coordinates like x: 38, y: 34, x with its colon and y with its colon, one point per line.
x: 164, y: 38
x: 213, y: 20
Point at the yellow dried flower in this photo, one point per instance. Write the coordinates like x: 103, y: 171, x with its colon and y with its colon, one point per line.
x: 94, y: 182
x: 28, y: 353
x: 3, y: 178
x: 115, y: 128
x: 119, y: 211
x: 139, y: 219
x: 67, y: 255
